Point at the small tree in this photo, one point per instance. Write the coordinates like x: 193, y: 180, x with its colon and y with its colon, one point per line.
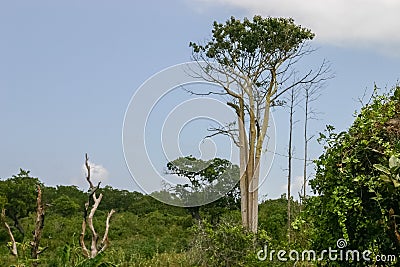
x: 217, y: 178
x: 20, y: 191
x: 253, y: 62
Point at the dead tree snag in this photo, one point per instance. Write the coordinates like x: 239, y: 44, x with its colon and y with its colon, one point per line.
x: 39, y: 224
x: 96, y: 247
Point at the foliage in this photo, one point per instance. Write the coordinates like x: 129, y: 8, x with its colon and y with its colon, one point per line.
x: 237, y: 41
x: 229, y: 244
x: 18, y: 195
x: 147, y: 232
x: 120, y: 200
x: 216, y: 178
x: 65, y: 206
x: 273, y: 218
x: 358, y: 199
x: 226, y: 245
x: 391, y: 174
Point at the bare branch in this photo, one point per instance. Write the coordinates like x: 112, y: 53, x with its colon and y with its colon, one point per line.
x: 13, y: 248
x: 95, y: 236
x: 105, y: 243
x: 322, y: 74
x: 85, y: 251
x: 227, y: 131
x: 88, y: 170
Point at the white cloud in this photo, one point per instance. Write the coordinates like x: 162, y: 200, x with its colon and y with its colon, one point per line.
x: 97, y: 173
x: 356, y: 23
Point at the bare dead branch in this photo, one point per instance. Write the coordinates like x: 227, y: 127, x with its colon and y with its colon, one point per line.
x: 322, y: 74
x: 95, y: 236
x: 85, y: 251
x: 201, y: 94
x: 227, y: 131
x: 105, y: 243
x: 88, y: 171
x: 13, y: 248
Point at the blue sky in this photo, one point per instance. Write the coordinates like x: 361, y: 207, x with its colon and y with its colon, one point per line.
x: 68, y: 70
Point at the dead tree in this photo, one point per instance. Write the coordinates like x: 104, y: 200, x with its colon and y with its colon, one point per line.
x: 292, y: 103
x: 311, y: 94
x: 97, y: 246
x: 39, y: 224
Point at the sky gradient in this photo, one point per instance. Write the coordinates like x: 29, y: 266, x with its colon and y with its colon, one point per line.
x: 68, y: 70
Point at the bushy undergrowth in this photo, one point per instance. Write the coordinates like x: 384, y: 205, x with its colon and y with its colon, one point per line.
x: 166, y: 236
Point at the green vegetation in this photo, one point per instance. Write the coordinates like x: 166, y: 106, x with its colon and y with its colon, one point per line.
x: 357, y: 200
x: 357, y: 181
x: 356, y: 186
x: 143, y: 232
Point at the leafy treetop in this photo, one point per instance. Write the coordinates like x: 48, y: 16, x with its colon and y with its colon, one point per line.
x: 254, y: 46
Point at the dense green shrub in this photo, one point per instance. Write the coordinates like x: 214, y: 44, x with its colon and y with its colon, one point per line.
x: 354, y: 202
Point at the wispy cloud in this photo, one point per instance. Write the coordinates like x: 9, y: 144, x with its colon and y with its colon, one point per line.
x: 356, y: 23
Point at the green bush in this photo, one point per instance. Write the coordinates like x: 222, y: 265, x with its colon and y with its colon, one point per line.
x: 226, y: 244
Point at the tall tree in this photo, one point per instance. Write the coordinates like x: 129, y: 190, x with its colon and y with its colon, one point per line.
x: 253, y: 61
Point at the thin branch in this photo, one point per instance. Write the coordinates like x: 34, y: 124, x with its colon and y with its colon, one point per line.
x: 88, y: 171
x: 224, y: 131
x: 282, y: 155
x: 319, y: 76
